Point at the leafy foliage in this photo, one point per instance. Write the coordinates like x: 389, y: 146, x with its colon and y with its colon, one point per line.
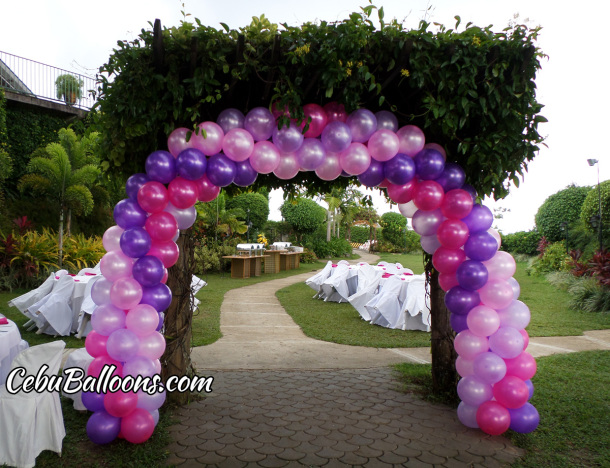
x: 590, y: 207
x: 561, y: 207
x: 208, y: 256
x: 303, y: 214
x: 336, y: 248
x: 215, y: 222
x: 553, y: 258
x: 522, y: 242
x: 394, y: 229
x: 258, y: 205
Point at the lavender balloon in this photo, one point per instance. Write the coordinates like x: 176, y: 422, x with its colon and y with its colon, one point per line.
x: 386, y: 120
x: 473, y: 391
x: 161, y: 167
x: 425, y: 223
x: 362, y: 124
x: 260, y: 123
x: 191, y: 164
x: 374, y: 175
x: 288, y: 139
x: 245, y: 175
x: 311, y: 154
x: 133, y: 184
x: 356, y: 159
x: 184, y: 217
x: 336, y: 136
x: 400, y: 169
x: 221, y: 170
x: 265, y: 157
x: 229, y: 119
x: 100, y: 291
x: 489, y: 367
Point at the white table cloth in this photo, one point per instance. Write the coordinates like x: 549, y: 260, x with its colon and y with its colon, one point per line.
x: 11, y: 345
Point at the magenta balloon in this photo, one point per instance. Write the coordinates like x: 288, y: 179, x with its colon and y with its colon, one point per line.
x: 497, y: 294
x: 152, y: 345
x: 430, y: 244
x: 182, y: 193
x: 287, y: 139
x: 139, y: 365
x: 259, y: 122
x: 362, y: 123
x: 100, y: 291
x: 507, y: 342
x: 523, y: 366
x: 122, y: 344
x: 452, y: 233
x: 467, y: 415
x: 185, y: 217
x: 489, y: 367
x: 383, y: 145
x: 167, y: 252
x: 265, y: 157
x: 468, y: 345
x: 95, y: 367
x: 411, y: 140
x: 95, y: 344
x: 137, y: 426
x: 426, y: 223
x: 330, y: 169
x: 318, y: 121
x: 107, y: 318
x: 143, y: 319
x: 206, y: 190
x: 161, y: 226
x: 473, y: 391
x: 463, y: 366
x: 112, y: 238
x: 511, y: 392
x: 483, y: 320
x: 210, y: 137
x: 448, y: 260
x: 356, y: 159
x: 401, y: 193
x: 493, y: 418
x: 428, y: 195
x: 229, y: 119
x: 501, y: 266
x: 311, y: 154
x: 335, y: 112
x: 177, y: 141
x: 457, y: 204
x: 386, y: 120
x: 447, y: 280
x: 115, y: 264
x: 238, y: 144
x: 125, y: 293
x: 153, y: 197
x: 288, y: 167
x: 526, y: 338
x: 119, y: 404
x: 336, y: 136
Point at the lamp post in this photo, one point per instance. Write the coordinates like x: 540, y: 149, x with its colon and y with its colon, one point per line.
x: 564, y: 227
x: 593, y: 162
x: 248, y: 223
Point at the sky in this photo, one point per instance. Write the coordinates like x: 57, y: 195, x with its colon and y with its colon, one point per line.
x: 79, y: 35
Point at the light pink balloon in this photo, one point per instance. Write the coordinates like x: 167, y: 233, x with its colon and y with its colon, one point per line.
x: 152, y: 346
x: 265, y: 157
x: 330, y: 169
x: 383, y: 145
x: 483, y: 321
x: 463, y: 366
x: 112, y: 237
x: 125, y: 293
x: 501, y: 266
x: 206, y: 190
x: 182, y: 193
x: 211, y: 143
x: 496, y: 236
x: 115, y: 264
x: 238, y: 144
x: 176, y: 143
x: 412, y: 140
x: 496, y: 294
x: 142, y: 319
x: 468, y: 345
x: 288, y: 167
x: 355, y: 159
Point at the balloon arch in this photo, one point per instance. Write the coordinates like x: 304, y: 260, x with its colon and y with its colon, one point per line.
x: 481, y: 292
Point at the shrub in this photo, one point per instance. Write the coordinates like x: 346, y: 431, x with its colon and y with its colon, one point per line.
x: 522, y: 242
x: 308, y: 256
x: 553, y: 258
x: 82, y: 252
x: 413, y: 242
x: 305, y: 215
x: 590, y: 207
x: 208, y: 256
x: 394, y: 228
x: 256, y: 203
x: 563, y: 206
x: 337, y: 247
x: 585, y: 293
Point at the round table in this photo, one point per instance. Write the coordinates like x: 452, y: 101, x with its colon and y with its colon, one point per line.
x: 10, y: 345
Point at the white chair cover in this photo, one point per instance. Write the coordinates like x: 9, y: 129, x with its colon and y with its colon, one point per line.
x: 31, y: 422
x: 335, y: 287
x: 368, y: 284
x: 417, y: 305
x: 386, y: 309
x: 33, y: 296
x: 78, y: 358
x: 83, y: 325
x: 33, y: 310
x: 316, y: 280
x: 56, y: 312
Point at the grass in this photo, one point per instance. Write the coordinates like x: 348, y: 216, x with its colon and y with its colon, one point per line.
x: 571, y: 395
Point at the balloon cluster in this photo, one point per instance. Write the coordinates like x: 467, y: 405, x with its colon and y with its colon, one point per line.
x: 481, y: 293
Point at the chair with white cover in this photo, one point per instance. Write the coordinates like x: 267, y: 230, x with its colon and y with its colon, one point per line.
x: 196, y: 284
x: 386, y: 307
x: 334, y: 288
x: 368, y: 285
x: 31, y: 422
x: 316, y: 280
x: 83, y: 325
x: 31, y: 297
x: 53, y: 313
x: 417, y: 305
x: 78, y: 358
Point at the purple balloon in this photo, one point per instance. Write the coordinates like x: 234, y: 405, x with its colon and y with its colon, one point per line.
x: 159, y: 296
x: 93, y: 401
x: 481, y: 246
x: 489, y: 367
x: 128, y: 214
x: 134, y: 183
x: 430, y: 164
x: 362, y: 123
x: 479, y: 219
x: 260, y: 123
x: 471, y: 190
x: 530, y: 387
x: 386, y: 120
x: 458, y: 322
x: 221, y: 170
x: 288, y: 139
x: 245, y: 175
x: 103, y: 428
x: 452, y: 177
x: 311, y: 154
x: 400, y: 169
x: 161, y: 320
x: 161, y: 167
x: 524, y: 419
x: 135, y: 242
x: 472, y: 275
x: 374, y: 175
x: 229, y: 119
x: 191, y: 164
x: 336, y: 136
x: 459, y: 300
x: 148, y: 270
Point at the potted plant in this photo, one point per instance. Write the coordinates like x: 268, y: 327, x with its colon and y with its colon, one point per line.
x: 69, y: 88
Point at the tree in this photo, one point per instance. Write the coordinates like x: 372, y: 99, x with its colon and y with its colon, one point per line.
x: 304, y: 215
x: 590, y: 208
x: 394, y: 229
x: 216, y: 222
x: 255, y: 207
x: 65, y: 172
x: 561, y: 207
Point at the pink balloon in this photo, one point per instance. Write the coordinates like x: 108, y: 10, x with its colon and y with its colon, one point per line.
x: 115, y: 264
x: 507, y: 342
x: 493, y: 418
x: 206, y: 190
x: 238, y: 144
x: 176, y: 143
x: 483, y: 321
x: 526, y: 338
x: 152, y: 346
x: 265, y: 157
x: 448, y: 260
x: 143, y: 319
x: 447, y: 280
x: 125, y: 293
x: 153, y: 197
x: 401, y: 193
x: 428, y: 195
x: 120, y: 404
x: 457, y: 204
x: 288, y: 167
x: 167, y: 252
x: 523, y: 366
x: 137, y: 426
x: 383, y: 145
x: 182, y: 193
x: 496, y: 294
x: 95, y: 344
x: 437, y: 147
x: 97, y: 365
x: 318, y: 121
x: 511, y: 392
x: 335, y: 111
x: 161, y: 227
x: 468, y: 345
x: 112, y: 237
x: 210, y: 138
x: 411, y: 140
x: 355, y: 159
x: 496, y: 236
x: 501, y: 266
x: 452, y: 233
x: 311, y: 154
x: 330, y: 169
x: 463, y: 366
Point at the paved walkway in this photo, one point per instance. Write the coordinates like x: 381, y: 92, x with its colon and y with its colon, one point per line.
x: 282, y: 399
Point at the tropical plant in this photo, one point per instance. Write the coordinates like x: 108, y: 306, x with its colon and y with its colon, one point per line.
x: 394, y: 229
x: 216, y: 223
x: 65, y: 172
x: 82, y: 252
x: 69, y: 88
x: 561, y: 207
x: 304, y: 215
x: 254, y: 205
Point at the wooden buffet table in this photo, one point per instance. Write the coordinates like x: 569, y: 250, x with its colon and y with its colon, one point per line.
x: 245, y: 266
x: 290, y: 260
x: 272, y: 264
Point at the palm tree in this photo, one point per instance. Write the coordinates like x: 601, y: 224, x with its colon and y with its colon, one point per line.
x: 217, y: 220
x: 65, y: 172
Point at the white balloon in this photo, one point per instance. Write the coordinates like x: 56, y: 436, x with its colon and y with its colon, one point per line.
x: 407, y: 209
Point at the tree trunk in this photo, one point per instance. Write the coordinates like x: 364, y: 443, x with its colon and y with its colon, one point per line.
x: 69, y: 223
x: 444, y: 375
x: 328, y: 227
x: 178, y: 318
x: 61, y: 237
